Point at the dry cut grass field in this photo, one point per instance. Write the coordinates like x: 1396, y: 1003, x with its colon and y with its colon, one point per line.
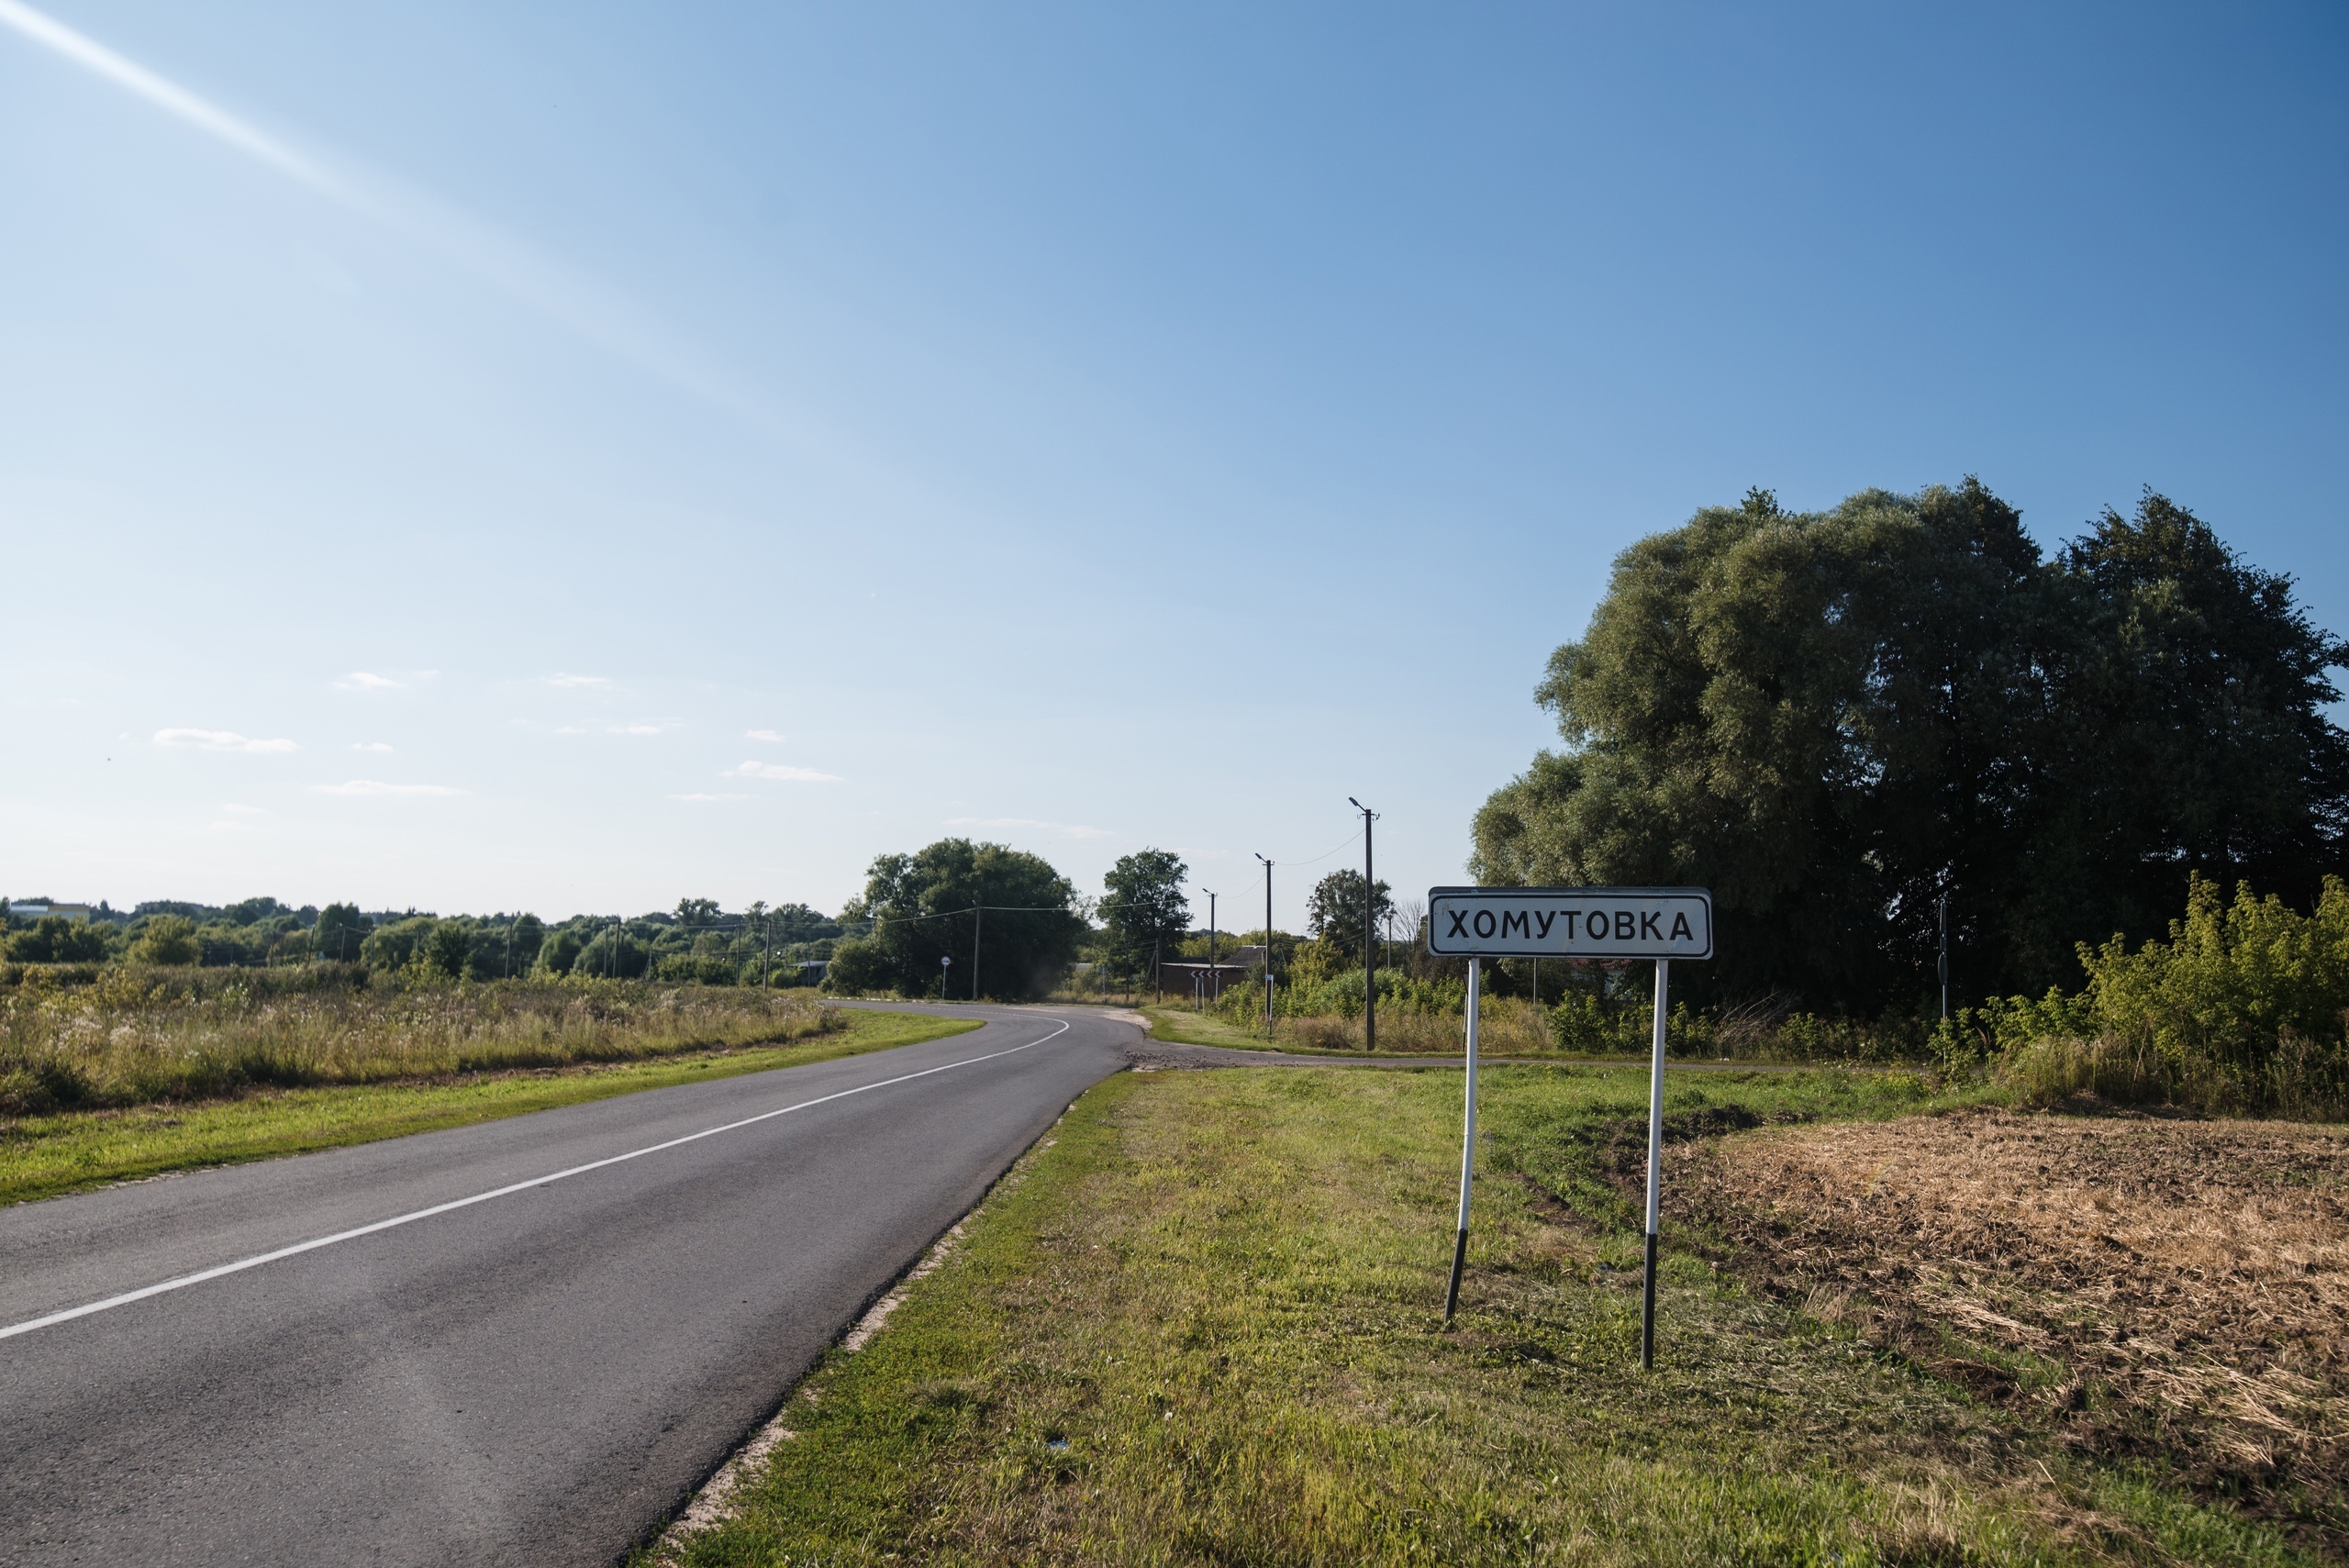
x: 2174, y: 1290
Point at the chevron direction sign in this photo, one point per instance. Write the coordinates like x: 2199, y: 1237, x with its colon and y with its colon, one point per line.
x: 1570, y: 922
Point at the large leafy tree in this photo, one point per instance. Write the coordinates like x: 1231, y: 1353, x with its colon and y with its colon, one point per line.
x: 1145, y: 911
x: 926, y: 905
x: 1835, y: 718
x: 1334, y: 911
x: 798, y: 923
x: 2193, y: 735
x: 341, y: 933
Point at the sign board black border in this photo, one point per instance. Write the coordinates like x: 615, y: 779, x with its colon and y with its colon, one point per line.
x: 1570, y: 902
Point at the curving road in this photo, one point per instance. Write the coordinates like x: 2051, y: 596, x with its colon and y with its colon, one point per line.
x: 521, y: 1342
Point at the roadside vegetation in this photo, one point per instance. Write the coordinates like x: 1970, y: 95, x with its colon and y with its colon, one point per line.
x: 1203, y: 1324
x: 2242, y: 1008
x: 44, y: 1152
x: 134, y: 1036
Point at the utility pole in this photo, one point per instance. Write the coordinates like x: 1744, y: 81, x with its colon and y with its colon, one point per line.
x: 1369, y: 952
x: 1268, y: 947
x: 1944, y: 965
x: 978, y: 921
x: 1212, y: 975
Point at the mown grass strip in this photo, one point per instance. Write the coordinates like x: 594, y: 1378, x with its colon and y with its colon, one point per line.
x: 44, y: 1156
x: 1203, y: 1327
x: 1184, y: 1026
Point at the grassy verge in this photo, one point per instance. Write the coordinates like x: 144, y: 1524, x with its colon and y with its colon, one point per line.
x: 42, y: 1156
x: 1202, y: 1327
x: 1185, y: 1027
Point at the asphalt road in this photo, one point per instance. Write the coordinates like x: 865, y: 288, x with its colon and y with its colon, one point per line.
x: 539, y: 1376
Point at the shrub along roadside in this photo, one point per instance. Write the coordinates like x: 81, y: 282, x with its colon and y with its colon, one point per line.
x: 1202, y: 1325
x: 2244, y: 1008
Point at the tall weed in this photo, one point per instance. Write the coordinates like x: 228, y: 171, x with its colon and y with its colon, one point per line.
x: 133, y: 1037
x: 2244, y: 1008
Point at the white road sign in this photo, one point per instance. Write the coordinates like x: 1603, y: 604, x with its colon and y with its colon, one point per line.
x: 1570, y: 922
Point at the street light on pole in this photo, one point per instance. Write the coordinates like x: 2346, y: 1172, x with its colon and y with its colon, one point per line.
x: 1369, y: 954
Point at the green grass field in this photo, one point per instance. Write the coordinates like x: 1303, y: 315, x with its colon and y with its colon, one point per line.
x: 1202, y: 1324
x: 42, y: 1156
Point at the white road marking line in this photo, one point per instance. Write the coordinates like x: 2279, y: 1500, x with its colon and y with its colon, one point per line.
x: 184, y: 1281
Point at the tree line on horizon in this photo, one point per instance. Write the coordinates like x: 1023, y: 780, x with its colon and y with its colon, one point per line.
x: 916, y: 909
x: 698, y: 941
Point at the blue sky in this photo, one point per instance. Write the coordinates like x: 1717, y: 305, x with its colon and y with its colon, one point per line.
x: 570, y: 457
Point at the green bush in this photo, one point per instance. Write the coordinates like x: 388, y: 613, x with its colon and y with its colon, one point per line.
x: 703, y: 969
x: 53, y: 938
x: 1589, y: 1025
x: 167, y: 940
x: 2245, y: 1007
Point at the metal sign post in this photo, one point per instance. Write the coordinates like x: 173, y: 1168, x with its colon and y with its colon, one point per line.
x: 1467, y: 1149
x: 1656, y: 1168
x: 1658, y: 923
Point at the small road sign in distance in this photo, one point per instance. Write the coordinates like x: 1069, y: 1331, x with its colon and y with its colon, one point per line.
x: 1570, y: 922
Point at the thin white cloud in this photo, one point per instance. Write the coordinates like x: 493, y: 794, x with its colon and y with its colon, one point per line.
x: 1066, y: 830
x: 757, y: 770
x: 244, y: 810
x: 698, y: 799
x: 361, y: 681
x: 633, y: 729
x: 377, y: 787
x: 565, y: 680
x: 577, y: 304
x: 773, y: 734
x: 217, y: 739
x: 368, y: 746
x: 217, y: 122
x: 228, y: 826
x: 571, y: 729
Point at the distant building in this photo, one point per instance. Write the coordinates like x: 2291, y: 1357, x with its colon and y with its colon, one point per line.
x: 69, y: 911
